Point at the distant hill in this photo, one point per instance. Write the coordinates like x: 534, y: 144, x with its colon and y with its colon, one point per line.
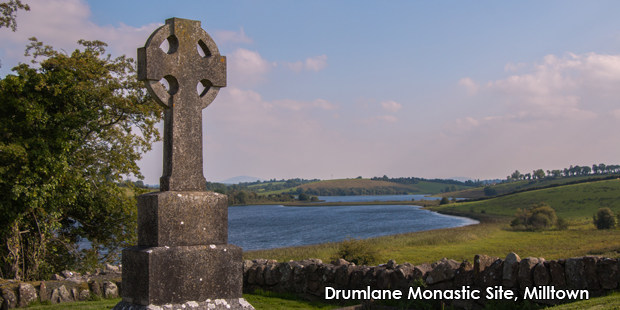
x: 240, y: 179
x: 462, y: 179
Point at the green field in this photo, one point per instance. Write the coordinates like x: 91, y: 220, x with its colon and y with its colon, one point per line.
x: 576, y: 202
x: 508, y: 187
x: 422, y: 187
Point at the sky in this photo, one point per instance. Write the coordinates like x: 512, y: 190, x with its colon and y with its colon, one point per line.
x: 340, y: 89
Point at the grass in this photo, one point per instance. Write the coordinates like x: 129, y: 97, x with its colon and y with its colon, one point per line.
x: 260, y: 300
x: 508, y: 187
x: 611, y: 301
x: 576, y: 202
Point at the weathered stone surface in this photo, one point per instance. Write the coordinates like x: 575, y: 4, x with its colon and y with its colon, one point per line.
x: 56, y: 277
x: 184, y: 68
x: 464, y: 275
x: 384, y: 279
x: 443, y: 271
x: 182, y: 219
x: 260, y: 274
x: 589, y: 271
x: 158, y: 275
x: 84, y: 295
x: 357, y: 277
x: 391, y: 264
x: 10, y: 300
x: 247, y: 264
x: 343, y: 274
x: 216, y: 304
x: 113, y: 268
x: 526, y: 271
x: 558, y: 277
x: 340, y: 262
x: 421, y: 271
x: 402, y: 275
x: 607, y: 272
x: 61, y: 294
x: 492, y: 274
x: 541, y: 274
x: 481, y: 262
x: 272, y: 274
x: 96, y: 288
x: 44, y: 294
x: 574, y: 269
x: 27, y: 294
x: 110, y: 290
x: 511, y: 270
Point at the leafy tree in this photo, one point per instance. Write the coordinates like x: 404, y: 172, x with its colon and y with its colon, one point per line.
x: 516, y: 175
x: 8, y: 11
x: 538, y: 216
x: 539, y: 174
x: 561, y: 223
x: 69, y: 131
x: 444, y: 201
x: 604, y: 219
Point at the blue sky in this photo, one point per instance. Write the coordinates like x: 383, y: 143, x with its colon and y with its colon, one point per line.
x: 401, y: 88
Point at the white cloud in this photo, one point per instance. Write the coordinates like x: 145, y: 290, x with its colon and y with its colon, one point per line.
x: 471, y: 86
x: 296, y: 105
x: 61, y: 23
x: 247, y: 67
x: 228, y: 36
x: 316, y: 64
x: 391, y: 106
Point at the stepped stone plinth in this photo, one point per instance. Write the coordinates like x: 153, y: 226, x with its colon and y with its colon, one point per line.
x: 183, y: 259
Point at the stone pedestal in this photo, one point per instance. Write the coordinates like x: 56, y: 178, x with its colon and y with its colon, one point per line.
x: 182, y: 255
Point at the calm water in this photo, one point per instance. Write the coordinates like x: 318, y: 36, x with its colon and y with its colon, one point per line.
x: 274, y: 226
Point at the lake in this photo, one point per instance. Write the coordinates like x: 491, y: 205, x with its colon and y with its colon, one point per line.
x: 274, y: 226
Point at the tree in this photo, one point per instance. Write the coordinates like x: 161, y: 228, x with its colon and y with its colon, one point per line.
x: 8, y: 11
x: 489, y: 191
x: 538, y: 216
x: 539, y: 174
x: 516, y: 175
x: 69, y: 131
x: 604, y: 219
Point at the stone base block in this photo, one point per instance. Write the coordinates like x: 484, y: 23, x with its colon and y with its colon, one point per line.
x: 171, y: 275
x: 217, y: 304
x: 182, y: 219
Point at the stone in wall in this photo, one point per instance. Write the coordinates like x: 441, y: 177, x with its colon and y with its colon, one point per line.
x: 574, y: 269
x: 556, y: 271
x: 421, y: 271
x: 44, y: 294
x: 464, y: 275
x: 492, y: 275
x: 541, y: 275
x: 607, y: 272
x: 526, y: 271
x: 481, y: 262
x: 10, y: 300
x: 510, y: 273
x: 27, y: 294
x: 444, y: 271
x: 589, y: 272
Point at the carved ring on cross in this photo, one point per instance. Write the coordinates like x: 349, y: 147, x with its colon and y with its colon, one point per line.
x: 182, y: 65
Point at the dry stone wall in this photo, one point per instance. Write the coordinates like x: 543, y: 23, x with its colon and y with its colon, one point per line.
x: 530, y: 278
x: 67, y: 286
x: 311, y: 277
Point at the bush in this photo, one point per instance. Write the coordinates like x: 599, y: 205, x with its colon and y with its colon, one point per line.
x: 561, y: 223
x: 489, y: 191
x: 538, y: 216
x: 357, y: 251
x: 604, y: 219
x: 444, y: 201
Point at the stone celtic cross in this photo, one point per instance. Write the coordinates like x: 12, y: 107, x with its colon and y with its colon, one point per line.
x: 182, y: 259
x: 183, y: 67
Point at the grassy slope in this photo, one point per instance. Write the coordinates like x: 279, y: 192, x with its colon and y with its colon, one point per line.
x: 504, y: 188
x: 422, y: 187
x: 577, y: 202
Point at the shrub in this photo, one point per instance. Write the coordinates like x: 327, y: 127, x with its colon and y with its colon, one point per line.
x: 538, y: 216
x: 561, y: 223
x: 604, y: 219
x: 489, y: 191
x: 357, y: 251
x: 444, y: 201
